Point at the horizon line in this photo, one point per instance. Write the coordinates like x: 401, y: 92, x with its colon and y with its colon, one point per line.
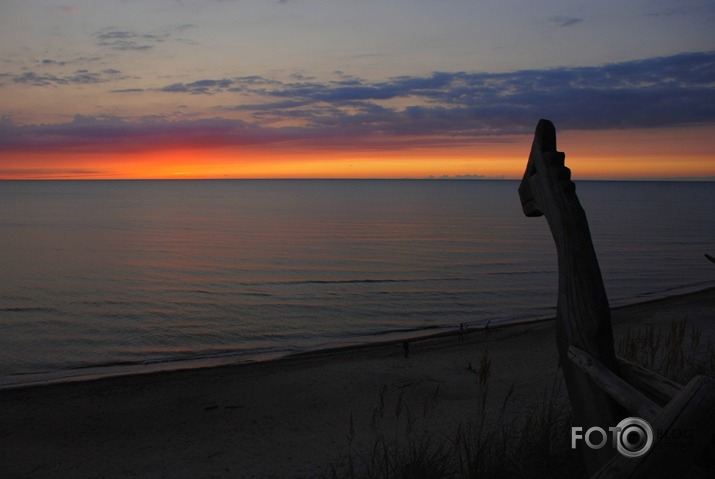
x: 429, y: 178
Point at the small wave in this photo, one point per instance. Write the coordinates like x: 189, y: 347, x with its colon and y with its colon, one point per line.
x: 510, y: 273
x: 29, y: 310
x: 688, y: 287
x: 197, y: 356
x: 334, y: 281
x: 247, y: 354
x: 87, y: 372
x: 378, y: 333
x: 663, y: 293
x: 350, y: 281
x: 206, y: 292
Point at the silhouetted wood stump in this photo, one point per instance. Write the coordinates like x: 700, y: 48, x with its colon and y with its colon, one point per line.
x: 583, y: 315
x: 604, y: 389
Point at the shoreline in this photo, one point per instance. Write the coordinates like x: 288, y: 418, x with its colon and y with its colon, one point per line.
x: 289, y: 417
x: 101, y: 372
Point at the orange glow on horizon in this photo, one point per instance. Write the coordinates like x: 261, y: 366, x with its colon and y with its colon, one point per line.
x: 615, y: 154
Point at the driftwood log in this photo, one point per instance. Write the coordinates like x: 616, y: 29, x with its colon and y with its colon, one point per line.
x: 602, y: 388
x: 583, y: 315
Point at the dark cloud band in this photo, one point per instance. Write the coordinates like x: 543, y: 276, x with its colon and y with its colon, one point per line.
x: 446, y: 107
x: 665, y: 91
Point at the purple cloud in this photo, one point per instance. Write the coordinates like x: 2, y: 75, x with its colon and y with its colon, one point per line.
x: 440, y: 108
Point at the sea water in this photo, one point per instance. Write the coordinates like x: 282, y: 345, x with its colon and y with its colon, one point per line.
x: 100, y: 274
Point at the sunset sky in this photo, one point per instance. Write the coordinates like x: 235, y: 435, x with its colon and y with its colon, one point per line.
x: 354, y: 88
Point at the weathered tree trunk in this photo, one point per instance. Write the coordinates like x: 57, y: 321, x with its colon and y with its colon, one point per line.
x: 691, y: 412
x: 583, y: 317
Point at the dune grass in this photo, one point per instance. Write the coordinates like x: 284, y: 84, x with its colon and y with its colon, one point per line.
x: 509, y: 440
x: 520, y: 444
x: 677, y: 352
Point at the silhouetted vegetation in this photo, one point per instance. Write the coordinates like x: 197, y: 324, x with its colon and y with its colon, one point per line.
x: 506, y: 443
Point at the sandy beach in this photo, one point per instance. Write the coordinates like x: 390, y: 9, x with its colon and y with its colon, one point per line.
x: 284, y: 418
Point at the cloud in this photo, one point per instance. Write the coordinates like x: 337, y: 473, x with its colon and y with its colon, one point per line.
x: 654, y: 92
x: 252, y: 84
x: 127, y: 90
x: 34, y: 79
x: 49, y: 62
x: 51, y: 173
x: 91, y: 133
x: 437, y: 109
x: 565, y: 21
x: 669, y: 11
x: 129, y: 40
x: 199, y: 86
x: 125, y: 41
x: 78, y: 77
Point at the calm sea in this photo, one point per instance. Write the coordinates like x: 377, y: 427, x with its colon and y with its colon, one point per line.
x: 101, y: 276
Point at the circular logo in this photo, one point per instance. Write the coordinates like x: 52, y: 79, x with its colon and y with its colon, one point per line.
x: 634, y: 437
